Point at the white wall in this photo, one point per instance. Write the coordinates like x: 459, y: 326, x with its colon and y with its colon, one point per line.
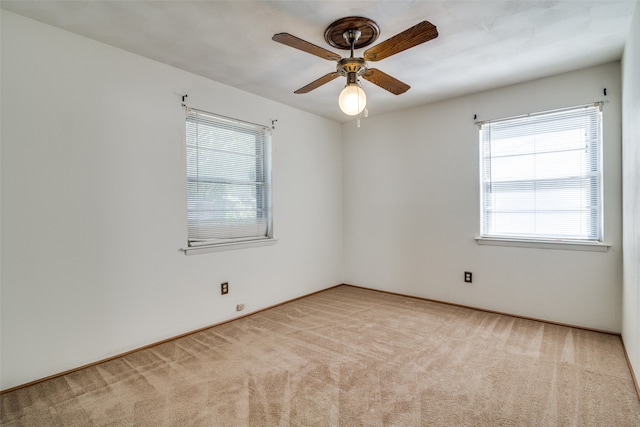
x: 94, y: 204
x: 411, y: 197
x: 631, y: 193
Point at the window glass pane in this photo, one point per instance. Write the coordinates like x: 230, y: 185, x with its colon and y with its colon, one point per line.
x: 541, y: 176
x: 228, y: 179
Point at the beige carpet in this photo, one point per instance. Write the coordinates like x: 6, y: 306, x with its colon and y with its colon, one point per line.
x: 350, y: 357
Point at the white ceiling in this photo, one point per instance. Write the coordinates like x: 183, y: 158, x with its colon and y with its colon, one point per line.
x: 482, y: 44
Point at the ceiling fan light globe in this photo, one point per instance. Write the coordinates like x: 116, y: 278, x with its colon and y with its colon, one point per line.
x: 352, y: 100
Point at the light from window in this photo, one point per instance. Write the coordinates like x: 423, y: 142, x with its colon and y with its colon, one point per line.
x: 541, y: 176
x: 228, y: 180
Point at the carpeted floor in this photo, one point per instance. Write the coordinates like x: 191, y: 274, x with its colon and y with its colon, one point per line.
x: 350, y: 357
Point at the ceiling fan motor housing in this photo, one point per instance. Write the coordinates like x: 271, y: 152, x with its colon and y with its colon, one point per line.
x: 351, y: 66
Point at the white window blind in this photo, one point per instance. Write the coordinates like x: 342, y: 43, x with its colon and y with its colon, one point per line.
x: 228, y: 180
x: 541, y: 176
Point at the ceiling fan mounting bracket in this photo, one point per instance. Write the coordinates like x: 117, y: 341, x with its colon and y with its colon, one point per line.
x: 336, y: 33
x: 352, y: 36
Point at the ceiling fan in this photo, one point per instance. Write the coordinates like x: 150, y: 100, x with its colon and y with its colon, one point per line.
x: 352, y: 33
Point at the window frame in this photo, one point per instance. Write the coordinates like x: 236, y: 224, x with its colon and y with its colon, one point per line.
x: 219, y: 124
x: 487, y: 237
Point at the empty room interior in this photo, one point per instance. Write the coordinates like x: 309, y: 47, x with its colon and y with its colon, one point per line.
x: 394, y: 264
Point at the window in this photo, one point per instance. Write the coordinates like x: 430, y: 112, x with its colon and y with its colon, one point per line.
x: 541, y: 176
x: 228, y: 180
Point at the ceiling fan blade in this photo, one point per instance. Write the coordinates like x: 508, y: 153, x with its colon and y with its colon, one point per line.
x: 317, y: 83
x: 419, y: 33
x: 305, y: 46
x: 385, y: 81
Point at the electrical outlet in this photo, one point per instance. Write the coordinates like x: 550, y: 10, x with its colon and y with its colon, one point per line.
x: 224, y: 288
x: 239, y: 307
x: 467, y: 277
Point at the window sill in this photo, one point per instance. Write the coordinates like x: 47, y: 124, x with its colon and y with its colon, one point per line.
x: 194, y: 250
x: 544, y: 244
